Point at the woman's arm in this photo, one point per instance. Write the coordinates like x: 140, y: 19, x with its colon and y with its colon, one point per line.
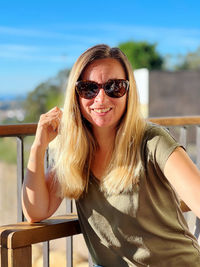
x: 39, y: 198
x: 184, y: 176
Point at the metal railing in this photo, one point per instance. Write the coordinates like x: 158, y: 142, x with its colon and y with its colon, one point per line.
x: 16, y: 239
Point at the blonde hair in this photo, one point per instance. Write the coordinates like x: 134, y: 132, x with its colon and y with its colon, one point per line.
x: 75, y: 144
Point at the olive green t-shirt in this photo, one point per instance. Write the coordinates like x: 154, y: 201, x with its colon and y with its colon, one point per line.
x: 143, y: 226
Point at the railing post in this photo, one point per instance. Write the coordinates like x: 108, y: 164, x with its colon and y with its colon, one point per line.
x: 16, y: 257
x: 20, y: 257
x: 4, y: 257
x: 197, y: 229
x: 46, y: 245
x: 198, y: 146
x: 183, y: 142
x: 46, y: 259
x: 20, y: 176
x: 183, y: 136
x: 69, y: 255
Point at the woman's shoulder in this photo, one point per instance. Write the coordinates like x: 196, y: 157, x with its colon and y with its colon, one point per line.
x: 153, y: 130
x: 158, y: 143
x: 158, y: 137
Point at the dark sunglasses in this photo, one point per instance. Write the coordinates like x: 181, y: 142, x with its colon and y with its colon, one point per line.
x: 113, y: 88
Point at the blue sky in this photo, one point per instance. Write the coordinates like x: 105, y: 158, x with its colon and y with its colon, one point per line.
x: 39, y: 38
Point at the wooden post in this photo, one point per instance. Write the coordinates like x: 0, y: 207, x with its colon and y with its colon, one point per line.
x: 16, y: 239
x: 20, y: 257
x: 4, y: 257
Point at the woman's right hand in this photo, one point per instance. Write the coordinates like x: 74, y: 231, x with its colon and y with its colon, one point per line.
x: 48, y: 127
x: 39, y: 198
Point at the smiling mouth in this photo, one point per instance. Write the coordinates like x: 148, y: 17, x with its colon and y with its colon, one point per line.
x: 101, y: 110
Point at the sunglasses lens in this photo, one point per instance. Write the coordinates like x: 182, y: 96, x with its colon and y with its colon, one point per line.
x: 87, y: 89
x: 113, y: 88
x: 116, y: 88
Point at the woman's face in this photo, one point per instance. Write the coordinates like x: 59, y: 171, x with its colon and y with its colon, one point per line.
x: 103, y: 111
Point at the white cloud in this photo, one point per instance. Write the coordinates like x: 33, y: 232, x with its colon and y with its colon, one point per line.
x: 17, y: 48
x: 69, y: 41
x: 34, y: 53
x: 37, y: 58
x: 45, y: 34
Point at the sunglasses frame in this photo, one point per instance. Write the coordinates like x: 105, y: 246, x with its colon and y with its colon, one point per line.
x: 103, y: 86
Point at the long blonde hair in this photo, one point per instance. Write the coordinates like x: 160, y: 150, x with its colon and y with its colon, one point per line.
x: 75, y: 144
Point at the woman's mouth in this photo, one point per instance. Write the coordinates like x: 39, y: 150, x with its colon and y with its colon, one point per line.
x: 101, y: 110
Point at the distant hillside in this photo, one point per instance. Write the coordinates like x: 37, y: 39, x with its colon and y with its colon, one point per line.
x: 11, y: 97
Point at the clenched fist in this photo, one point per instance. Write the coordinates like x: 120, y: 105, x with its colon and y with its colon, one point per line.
x: 48, y: 127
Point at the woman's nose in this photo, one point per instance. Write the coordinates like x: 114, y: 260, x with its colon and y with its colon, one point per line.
x: 101, y: 95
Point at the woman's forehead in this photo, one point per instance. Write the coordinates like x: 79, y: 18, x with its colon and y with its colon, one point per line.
x: 103, y: 67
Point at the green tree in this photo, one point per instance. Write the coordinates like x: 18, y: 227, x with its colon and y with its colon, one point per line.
x: 45, y: 96
x: 142, y: 55
x: 190, y: 61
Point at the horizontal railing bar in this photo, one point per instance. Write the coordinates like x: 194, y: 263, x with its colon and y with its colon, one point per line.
x: 22, y: 129
x: 30, y: 128
x: 24, y: 234
x: 176, y: 121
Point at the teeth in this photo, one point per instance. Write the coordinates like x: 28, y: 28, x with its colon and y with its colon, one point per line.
x: 102, y: 110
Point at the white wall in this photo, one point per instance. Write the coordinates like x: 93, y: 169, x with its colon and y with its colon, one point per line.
x: 142, y: 82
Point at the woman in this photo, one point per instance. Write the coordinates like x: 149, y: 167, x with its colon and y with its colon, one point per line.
x: 121, y: 170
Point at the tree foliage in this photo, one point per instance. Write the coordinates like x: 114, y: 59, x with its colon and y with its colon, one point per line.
x: 142, y: 55
x: 45, y: 96
x: 190, y: 61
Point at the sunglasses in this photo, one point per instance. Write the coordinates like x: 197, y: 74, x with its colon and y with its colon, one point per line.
x: 113, y: 88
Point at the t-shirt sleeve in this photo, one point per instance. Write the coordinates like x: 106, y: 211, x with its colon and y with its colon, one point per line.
x: 160, y: 145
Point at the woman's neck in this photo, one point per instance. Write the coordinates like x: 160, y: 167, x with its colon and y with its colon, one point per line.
x: 105, y: 138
